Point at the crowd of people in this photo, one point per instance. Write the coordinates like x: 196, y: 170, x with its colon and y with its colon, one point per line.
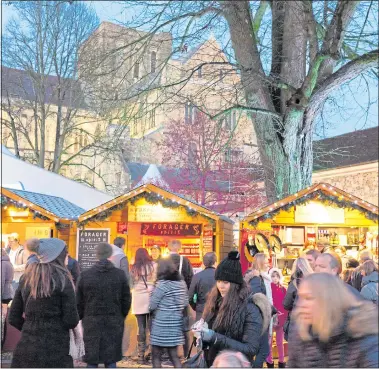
x: 328, y: 313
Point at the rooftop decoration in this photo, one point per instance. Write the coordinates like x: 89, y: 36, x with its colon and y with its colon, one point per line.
x: 323, y: 192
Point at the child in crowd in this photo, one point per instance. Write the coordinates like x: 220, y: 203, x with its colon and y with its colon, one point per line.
x: 278, y: 294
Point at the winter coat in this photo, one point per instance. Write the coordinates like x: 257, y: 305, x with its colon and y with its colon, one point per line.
x: 252, y: 319
x: 370, y: 287
x: 6, y: 278
x: 73, y: 267
x: 278, y: 294
x: 201, y: 284
x: 187, y: 271
x: 353, y: 345
x: 141, y: 292
x: 20, y: 262
x: 356, y: 279
x: 119, y: 260
x: 103, y: 297
x: 167, y: 303
x: 45, y: 340
x: 290, y: 298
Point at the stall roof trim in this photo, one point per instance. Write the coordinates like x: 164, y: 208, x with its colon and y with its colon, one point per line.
x: 160, y: 191
x: 325, y: 187
x: 52, y: 207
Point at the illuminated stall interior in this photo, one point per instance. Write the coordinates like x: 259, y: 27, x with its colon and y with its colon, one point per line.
x: 31, y: 214
x: 150, y: 215
x: 320, y: 216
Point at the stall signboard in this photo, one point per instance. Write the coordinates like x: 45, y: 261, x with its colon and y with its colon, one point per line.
x: 87, y: 241
x: 150, y: 213
x: 207, y: 239
x: 171, y: 229
x: 316, y: 212
x: 37, y: 232
x: 122, y: 227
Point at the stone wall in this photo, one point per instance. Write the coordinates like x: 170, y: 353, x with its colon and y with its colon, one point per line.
x: 363, y: 185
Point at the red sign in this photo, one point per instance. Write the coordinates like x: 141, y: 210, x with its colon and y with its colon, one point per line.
x: 170, y: 229
x: 122, y: 227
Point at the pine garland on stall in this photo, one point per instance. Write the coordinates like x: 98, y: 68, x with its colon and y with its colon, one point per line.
x: 6, y: 201
x: 329, y: 200
x: 151, y: 198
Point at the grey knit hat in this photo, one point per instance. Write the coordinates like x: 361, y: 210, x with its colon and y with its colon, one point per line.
x: 49, y: 249
x: 103, y: 251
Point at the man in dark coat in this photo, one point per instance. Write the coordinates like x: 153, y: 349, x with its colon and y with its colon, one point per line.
x: 103, y: 298
x: 202, y: 283
x: 73, y: 267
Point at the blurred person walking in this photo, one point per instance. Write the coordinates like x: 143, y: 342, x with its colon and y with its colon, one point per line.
x: 32, y: 246
x: 167, y: 303
x: 278, y: 294
x: 332, y: 329
x: 356, y: 278
x: 73, y: 267
x: 233, y: 318
x: 231, y: 359
x: 7, y: 291
x: 300, y: 269
x: 370, y: 281
x: 103, y: 298
x: 346, y: 274
x: 259, y: 281
x: 143, y: 275
x: 202, y: 283
x: 44, y: 310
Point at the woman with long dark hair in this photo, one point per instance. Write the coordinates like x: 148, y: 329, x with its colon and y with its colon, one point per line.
x: 47, y: 298
x: 167, y: 303
x: 143, y: 276
x: 233, y: 319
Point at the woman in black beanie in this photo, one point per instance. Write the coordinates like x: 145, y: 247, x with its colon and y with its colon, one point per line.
x: 232, y: 318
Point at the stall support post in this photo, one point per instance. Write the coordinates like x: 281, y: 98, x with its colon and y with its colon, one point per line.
x: 218, y: 241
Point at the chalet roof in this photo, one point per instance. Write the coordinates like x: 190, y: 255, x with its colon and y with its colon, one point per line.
x: 184, y: 201
x: 345, y: 150
x: 335, y: 194
x: 48, y: 205
x: 17, y: 83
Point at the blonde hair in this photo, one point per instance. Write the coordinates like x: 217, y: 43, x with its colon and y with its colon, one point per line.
x: 369, y: 266
x: 258, y: 261
x: 333, y: 301
x: 300, y: 269
x: 231, y: 359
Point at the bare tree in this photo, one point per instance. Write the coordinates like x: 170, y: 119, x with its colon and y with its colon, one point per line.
x: 41, y: 92
x: 290, y: 57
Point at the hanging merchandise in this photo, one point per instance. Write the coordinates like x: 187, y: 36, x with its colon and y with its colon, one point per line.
x: 275, y: 244
x: 261, y: 242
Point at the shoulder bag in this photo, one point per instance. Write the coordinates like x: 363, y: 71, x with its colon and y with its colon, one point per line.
x: 197, y: 360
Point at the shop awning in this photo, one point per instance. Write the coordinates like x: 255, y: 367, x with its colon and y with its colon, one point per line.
x: 321, y: 191
x: 154, y: 194
x: 52, y: 207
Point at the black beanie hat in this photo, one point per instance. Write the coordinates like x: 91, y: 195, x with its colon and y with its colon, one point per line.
x: 229, y: 269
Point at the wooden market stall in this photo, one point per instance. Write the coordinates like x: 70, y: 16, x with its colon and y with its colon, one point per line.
x: 150, y: 215
x: 319, y: 216
x: 31, y: 214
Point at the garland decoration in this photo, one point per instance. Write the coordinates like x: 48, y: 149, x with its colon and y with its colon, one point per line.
x: 326, y: 199
x: 151, y: 198
x: 6, y: 201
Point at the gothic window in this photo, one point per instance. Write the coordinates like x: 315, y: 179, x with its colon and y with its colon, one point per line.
x: 151, y: 117
x: 135, y: 126
x: 189, y: 113
x: 199, y: 73
x: 153, y: 61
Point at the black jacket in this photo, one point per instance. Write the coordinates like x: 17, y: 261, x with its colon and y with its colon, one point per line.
x: 257, y: 285
x: 103, y: 298
x: 201, y: 284
x: 45, y: 340
x: 187, y: 271
x: 356, y: 279
x: 289, y: 301
x: 353, y: 345
x: 252, y: 318
x: 73, y: 267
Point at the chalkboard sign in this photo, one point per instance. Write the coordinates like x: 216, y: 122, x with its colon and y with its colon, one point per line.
x: 87, y: 241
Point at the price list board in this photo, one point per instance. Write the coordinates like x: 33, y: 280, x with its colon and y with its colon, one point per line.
x: 87, y: 241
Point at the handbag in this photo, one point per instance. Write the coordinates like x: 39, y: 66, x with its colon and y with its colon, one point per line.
x: 197, y: 360
x: 77, y: 349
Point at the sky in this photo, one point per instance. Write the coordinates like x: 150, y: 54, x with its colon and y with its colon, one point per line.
x: 343, y: 114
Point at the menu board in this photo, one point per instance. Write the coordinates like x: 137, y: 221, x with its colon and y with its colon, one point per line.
x: 87, y: 241
x: 207, y: 239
